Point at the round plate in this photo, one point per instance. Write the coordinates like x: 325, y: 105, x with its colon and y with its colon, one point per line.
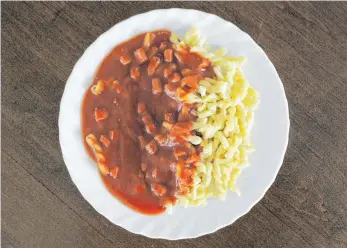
x: 269, y: 134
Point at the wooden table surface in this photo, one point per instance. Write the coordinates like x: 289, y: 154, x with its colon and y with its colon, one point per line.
x: 305, y: 207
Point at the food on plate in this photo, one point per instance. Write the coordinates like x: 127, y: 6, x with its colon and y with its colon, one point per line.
x: 168, y: 121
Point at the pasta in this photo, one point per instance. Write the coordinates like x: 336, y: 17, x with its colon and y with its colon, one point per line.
x: 100, y: 158
x: 225, y: 116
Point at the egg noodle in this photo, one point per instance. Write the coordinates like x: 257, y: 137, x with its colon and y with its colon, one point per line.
x: 225, y: 112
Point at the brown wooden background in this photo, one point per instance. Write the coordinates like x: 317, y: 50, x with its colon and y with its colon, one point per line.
x: 306, y: 206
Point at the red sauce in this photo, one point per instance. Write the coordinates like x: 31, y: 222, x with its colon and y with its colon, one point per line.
x: 126, y: 87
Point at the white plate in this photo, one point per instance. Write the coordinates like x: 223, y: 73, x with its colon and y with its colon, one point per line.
x: 269, y: 135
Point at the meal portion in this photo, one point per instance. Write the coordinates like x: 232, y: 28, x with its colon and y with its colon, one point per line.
x: 168, y: 121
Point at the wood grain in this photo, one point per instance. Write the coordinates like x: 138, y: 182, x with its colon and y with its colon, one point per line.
x: 306, y: 206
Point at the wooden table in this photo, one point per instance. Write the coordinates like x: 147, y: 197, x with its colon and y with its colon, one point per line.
x: 306, y: 206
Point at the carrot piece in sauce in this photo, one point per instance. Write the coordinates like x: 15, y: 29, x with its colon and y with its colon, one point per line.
x: 140, y: 56
x: 186, y: 72
x: 169, y: 69
x: 125, y: 60
x: 100, y: 114
x: 175, y: 78
x: 105, y: 141
x: 168, y: 55
x: 150, y: 128
x: 190, y: 81
x: 135, y: 73
x: 158, y: 189
x: 153, y: 64
x: 170, y: 89
x: 114, y: 172
x: 148, y: 40
x: 114, y: 134
x: 157, y: 88
x: 143, y: 167
x: 152, y: 147
x: 147, y: 119
x: 182, y: 127
x: 161, y: 139
x: 141, y: 108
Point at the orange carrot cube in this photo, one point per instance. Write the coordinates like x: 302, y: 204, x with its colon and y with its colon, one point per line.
x: 140, y: 56
x: 100, y: 114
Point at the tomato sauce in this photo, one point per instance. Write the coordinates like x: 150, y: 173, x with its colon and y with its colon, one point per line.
x: 138, y: 123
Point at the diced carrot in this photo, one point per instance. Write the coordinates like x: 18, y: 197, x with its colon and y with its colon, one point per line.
x: 152, y: 147
x: 153, y: 64
x: 143, y: 167
x: 98, y: 88
x: 186, y: 72
x: 157, y: 88
x: 147, y: 119
x: 190, y: 81
x: 175, y: 78
x: 170, y: 117
x: 141, y: 107
x: 142, y: 141
x: 150, y: 128
x: 161, y: 139
x: 169, y: 69
x: 168, y: 55
x: 140, y: 56
x: 170, y: 89
x: 105, y: 141
x: 125, y: 60
x: 135, y: 73
x: 100, y: 114
x: 114, y: 134
x: 182, y: 127
x: 152, y: 51
x: 114, y: 172
x: 179, y: 153
x: 158, y: 189
x: 148, y: 40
